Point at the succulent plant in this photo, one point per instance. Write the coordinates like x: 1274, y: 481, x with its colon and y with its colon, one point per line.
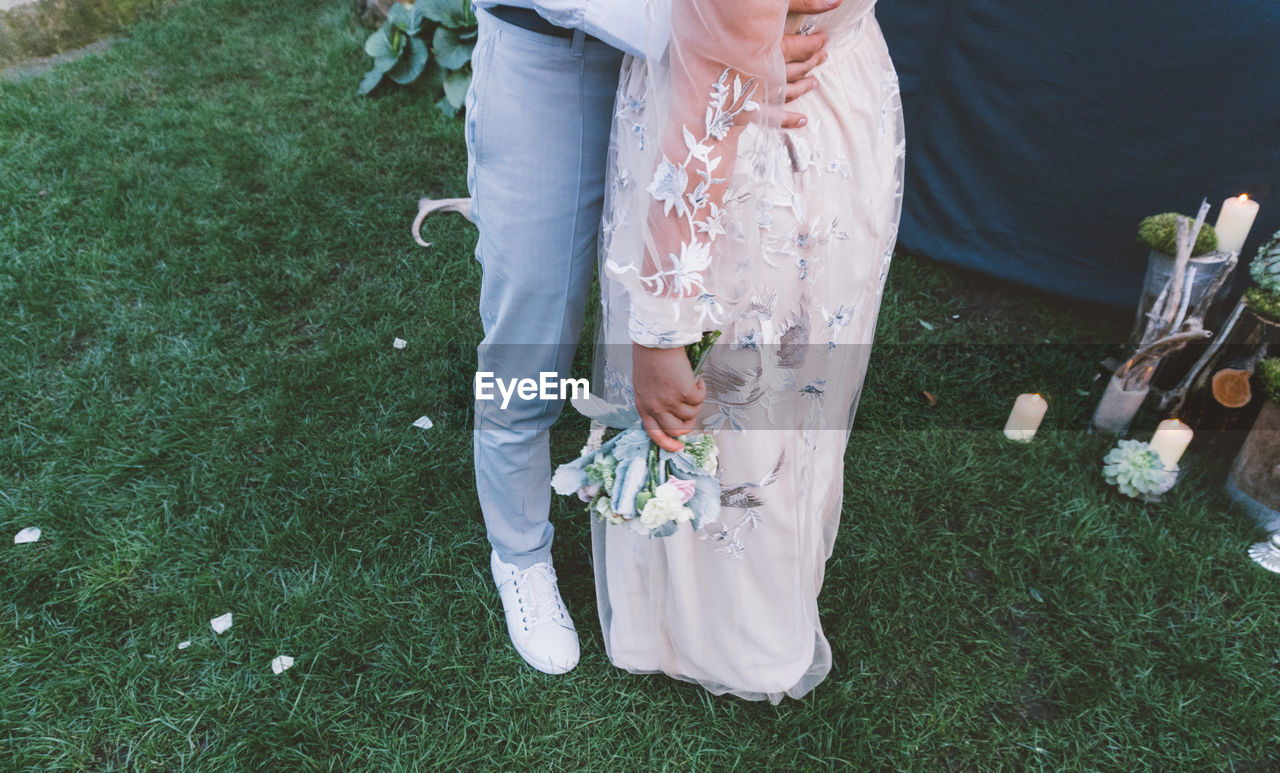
x: 1136, y: 470
x: 1160, y: 232
x: 1265, y: 267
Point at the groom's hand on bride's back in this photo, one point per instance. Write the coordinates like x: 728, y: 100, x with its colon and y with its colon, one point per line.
x: 667, y: 395
x: 802, y: 53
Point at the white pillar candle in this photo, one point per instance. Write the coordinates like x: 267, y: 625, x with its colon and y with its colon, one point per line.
x: 1028, y: 410
x: 1234, y: 222
x: 1170, y: 441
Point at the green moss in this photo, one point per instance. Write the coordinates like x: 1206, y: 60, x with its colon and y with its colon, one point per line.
x: 1160, y: 232
x: 1269, y: 371
x: 1263, y: 303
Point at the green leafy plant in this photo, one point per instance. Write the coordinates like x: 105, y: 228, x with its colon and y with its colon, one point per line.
x: 1269, y: 372
x: 1160, y: 232
x: 432, y: 39
x: 397, y: 51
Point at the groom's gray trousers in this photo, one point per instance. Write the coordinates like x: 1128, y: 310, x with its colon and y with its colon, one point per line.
x: 538, y: 118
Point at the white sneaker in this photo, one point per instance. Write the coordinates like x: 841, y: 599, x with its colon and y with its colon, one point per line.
x: 537, y: 621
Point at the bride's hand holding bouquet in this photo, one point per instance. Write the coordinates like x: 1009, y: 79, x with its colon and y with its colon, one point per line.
x: 643, y: 477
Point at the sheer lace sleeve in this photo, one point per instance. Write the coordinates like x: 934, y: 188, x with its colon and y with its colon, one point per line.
x: 688, y: 125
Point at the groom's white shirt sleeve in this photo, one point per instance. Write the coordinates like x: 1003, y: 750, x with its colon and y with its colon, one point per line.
x: 620, y: 23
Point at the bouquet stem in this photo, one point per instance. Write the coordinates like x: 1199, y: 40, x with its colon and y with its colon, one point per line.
x: 699, y: 350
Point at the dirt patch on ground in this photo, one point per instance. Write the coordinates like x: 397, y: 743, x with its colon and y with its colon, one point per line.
x: 33, y: 31
x: 44, y: 63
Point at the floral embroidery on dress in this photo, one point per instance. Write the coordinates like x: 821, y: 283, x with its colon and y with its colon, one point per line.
x: 768, y: 223
x: 683, y: 275
x: 838, y: 319
x: 747, y: 497
x: 784, y: 380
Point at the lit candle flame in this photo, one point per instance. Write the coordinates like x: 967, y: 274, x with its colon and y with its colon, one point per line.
x: 1243, y: 197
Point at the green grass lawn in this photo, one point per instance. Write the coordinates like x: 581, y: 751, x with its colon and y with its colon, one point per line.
x: 204, y: 258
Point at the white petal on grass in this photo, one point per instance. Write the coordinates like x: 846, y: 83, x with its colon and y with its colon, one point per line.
x: 220, y: 623
x: 281, y: 664
x: 399, y: 343
x: 182, y: 645
x: 29, y: 534
x: 423, y: 422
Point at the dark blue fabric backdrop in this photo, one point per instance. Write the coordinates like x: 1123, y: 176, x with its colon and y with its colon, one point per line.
x: 1039, y: 134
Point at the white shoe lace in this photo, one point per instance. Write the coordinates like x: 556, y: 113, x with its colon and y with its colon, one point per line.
x: 536, y: 592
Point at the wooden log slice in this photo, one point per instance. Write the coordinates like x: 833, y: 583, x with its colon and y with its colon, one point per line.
x: 1230, y: 387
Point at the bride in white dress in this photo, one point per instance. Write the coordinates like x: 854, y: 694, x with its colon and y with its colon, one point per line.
x: 781, y: 239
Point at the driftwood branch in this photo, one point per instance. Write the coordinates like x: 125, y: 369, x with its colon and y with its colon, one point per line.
x: 1136, y: 372
x: 427, y: 206
x: 1196, y: 314
x: 1186, y: 299
x: 1177, y: 316
x: 1173, y: 399
x: 1170, y: 307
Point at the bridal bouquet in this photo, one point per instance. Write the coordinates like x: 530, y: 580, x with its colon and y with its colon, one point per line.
x: 630, y: 481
